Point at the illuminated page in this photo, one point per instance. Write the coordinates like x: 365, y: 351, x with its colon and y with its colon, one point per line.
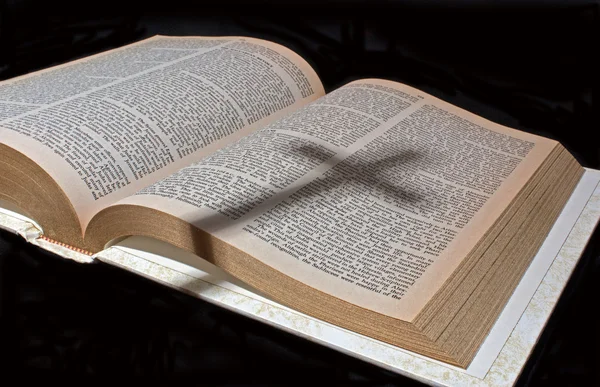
x: 372, y: 194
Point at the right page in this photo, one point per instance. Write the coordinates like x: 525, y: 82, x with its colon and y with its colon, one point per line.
x: 372, y: 194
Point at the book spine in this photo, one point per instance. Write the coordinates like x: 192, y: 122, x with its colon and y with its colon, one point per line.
x: 33, y: 234
x: 76, y: 249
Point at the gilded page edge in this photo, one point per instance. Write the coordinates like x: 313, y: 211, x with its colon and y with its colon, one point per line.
x: 505, y: 368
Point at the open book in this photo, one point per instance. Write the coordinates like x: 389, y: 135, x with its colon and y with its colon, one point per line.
x: 377, y: 207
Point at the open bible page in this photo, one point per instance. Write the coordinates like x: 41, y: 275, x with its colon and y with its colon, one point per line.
x: 106, y: 126
x: 372, y: 194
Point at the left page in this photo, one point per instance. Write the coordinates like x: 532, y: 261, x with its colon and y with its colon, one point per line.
x: 106, y: 126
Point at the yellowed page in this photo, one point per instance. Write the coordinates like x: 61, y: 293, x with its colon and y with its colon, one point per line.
x: 373, y: 193
x: 106, y: 126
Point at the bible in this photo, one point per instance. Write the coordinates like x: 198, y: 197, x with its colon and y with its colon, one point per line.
x: 376, y: 207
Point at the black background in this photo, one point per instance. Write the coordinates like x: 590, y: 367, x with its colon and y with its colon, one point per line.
x: 531, y: 65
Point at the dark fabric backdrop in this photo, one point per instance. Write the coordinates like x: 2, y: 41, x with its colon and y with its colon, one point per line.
x: 530, y: 65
